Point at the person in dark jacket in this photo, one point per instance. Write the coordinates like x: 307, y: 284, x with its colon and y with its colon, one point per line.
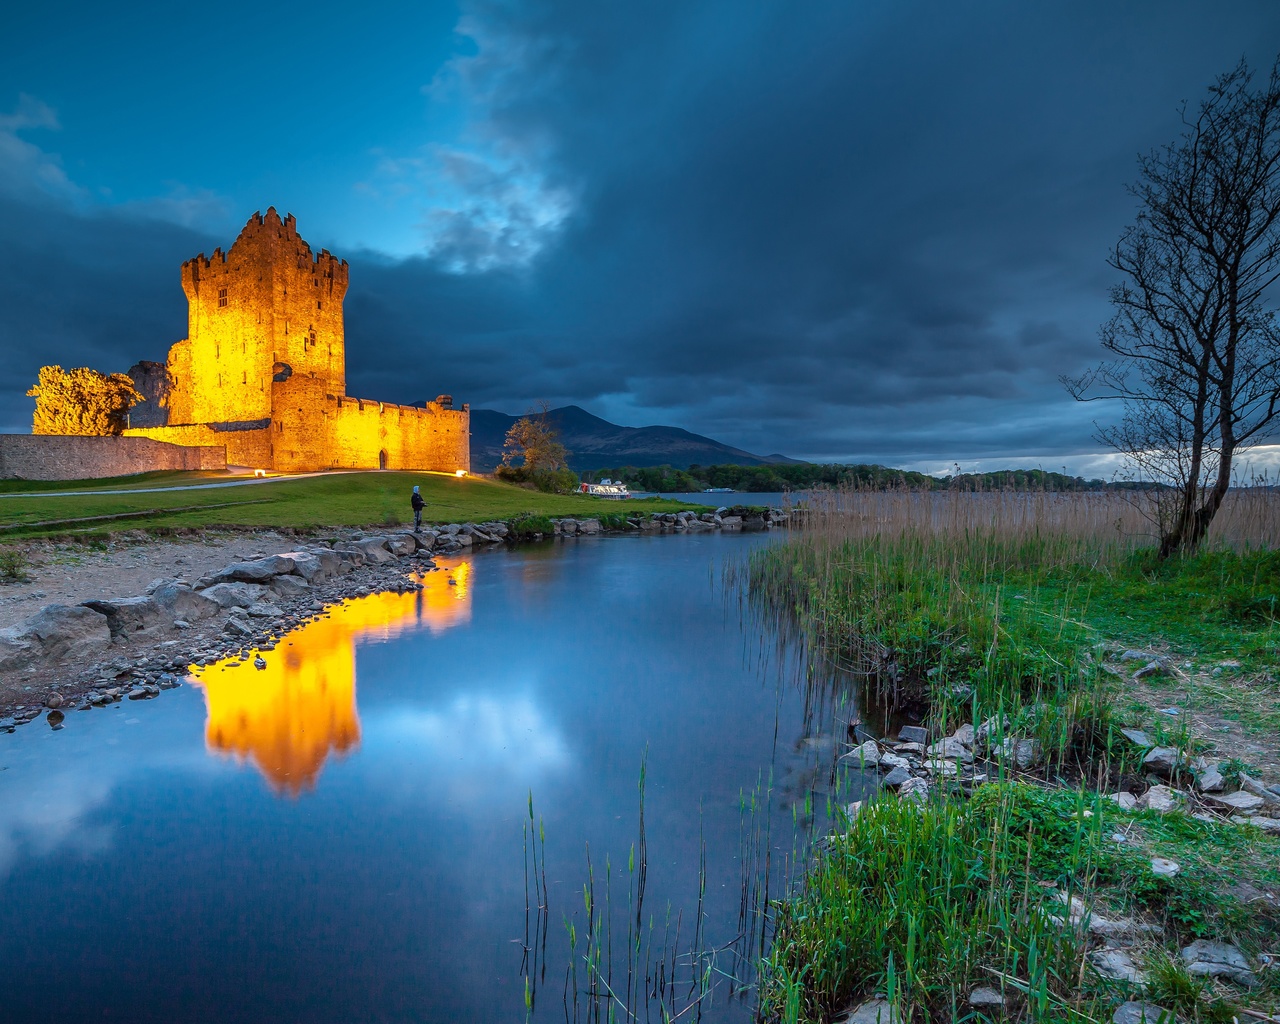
x: 418, y: 504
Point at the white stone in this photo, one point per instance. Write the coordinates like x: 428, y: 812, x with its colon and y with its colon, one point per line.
x: 866, y: 755
x: 1127, y: 801
x: 1162, y: 868
x: 1159, y: 798
x: 1117, y: 965
x: 1240, y: 802
x: 873, y: 1011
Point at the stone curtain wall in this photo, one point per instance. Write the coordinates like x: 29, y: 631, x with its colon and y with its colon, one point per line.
x: 251, y: 448
x: 53, y: 457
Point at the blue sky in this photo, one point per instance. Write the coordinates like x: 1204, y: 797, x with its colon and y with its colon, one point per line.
x: 871, y: 230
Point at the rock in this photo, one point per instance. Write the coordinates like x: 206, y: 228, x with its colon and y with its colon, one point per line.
x: 867, y: 755
x: 873, y: 1011
x: 908, y: 748
x: 55, y: 720
x: 1136, y: 656
x: 1252, y: 785
x: 852, y: 810
x: 984, y: 996
x: 1159, y: 798
x: 1240, y: 802
x: 54, y: 700
x: 1210, y: 780
x: 138, y: 693
x: 1207, y: 958
x: 1127, y: 801
x: 942, y: 769
x: 401, y: 544
x: 950, y: 748
x: 1270, y: 825
x: 731, y: 523
x: 985, y: 734
x: 375, y: 550
x: 55, y: 633
x: 589, y: 527
x: 1117, y: 965
x: 259, y: 662
x: 288, y: 586
x: 1162, y: 760
x: 237, y: 627
x: 1142, y: 1013
x: 7, y: 725
x: 896, y: 777
x: 1151, y: 668
x: 893, y: 761
x: 231, y: 595
x: 913, y: 734
x: 1137, y: 737
x: 1162, y: 868
x: 965, y: 735
x: 914, y: 789
x: 265, y: 610
x: 1028, y: 753
x: 180, y: 602
x: 261, y: 570
x: 130, y: 614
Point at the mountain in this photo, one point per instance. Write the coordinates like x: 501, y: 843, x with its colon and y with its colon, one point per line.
x: 594, y: 443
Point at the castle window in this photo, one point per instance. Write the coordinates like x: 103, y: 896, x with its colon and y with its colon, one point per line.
x: 319, y: 305
x: 244, y: 377
x: 222, y: 296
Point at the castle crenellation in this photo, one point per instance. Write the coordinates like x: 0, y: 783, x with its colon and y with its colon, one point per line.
x: 263, y: 368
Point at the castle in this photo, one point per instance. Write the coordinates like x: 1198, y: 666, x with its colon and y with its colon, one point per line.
x: 262, y: 370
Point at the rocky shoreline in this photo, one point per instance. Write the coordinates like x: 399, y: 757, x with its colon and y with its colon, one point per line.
x: 99, y: 652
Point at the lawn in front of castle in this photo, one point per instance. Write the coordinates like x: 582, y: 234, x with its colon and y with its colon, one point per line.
x: 35, y: 508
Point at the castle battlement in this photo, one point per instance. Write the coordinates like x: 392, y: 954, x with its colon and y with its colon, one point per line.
x: 266, y: 342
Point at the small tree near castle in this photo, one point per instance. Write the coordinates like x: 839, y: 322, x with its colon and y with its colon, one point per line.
x: 82, y: 401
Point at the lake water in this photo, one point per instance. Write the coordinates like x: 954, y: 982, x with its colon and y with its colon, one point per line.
x: 340, y: 837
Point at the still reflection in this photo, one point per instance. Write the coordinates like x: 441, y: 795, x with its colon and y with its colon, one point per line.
x: 288, y: 717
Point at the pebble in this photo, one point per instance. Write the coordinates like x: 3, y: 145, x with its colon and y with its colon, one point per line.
x: 54, y: 700
x: 984, y: 996
x: 1162, y: 868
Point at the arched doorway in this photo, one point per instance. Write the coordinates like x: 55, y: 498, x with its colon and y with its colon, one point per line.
x: 382, y: 459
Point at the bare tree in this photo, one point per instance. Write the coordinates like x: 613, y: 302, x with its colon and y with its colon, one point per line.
x: 1194, y: 334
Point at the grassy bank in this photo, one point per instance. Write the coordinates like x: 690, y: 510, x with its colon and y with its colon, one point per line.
x: 1015, y: 609
x: 347, y: 499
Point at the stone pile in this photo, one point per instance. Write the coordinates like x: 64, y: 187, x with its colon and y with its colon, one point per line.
x: 722, y: 518
x: 245, y: 604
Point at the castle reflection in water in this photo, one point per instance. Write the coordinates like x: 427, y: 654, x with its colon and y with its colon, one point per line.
x: 289, y: 717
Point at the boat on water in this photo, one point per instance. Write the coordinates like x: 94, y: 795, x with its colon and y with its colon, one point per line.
x: 717, y: 490
x: 606, y: 488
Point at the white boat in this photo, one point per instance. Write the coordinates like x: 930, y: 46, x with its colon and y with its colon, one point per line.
x: 717, y: 490
x: 606, y: 489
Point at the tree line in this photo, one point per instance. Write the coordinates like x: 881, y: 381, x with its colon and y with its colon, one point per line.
x: 792, y: 476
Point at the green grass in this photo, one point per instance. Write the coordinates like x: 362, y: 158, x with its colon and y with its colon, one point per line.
x: 164, y: 478
x: 348, y: 499
x: 924, y: 903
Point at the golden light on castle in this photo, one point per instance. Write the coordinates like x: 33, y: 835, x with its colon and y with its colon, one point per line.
x: 289, y: 717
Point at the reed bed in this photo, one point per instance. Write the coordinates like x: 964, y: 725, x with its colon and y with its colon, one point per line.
x: 1001, y: 608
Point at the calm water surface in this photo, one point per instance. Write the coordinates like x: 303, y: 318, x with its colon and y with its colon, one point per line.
x: 339, y: 836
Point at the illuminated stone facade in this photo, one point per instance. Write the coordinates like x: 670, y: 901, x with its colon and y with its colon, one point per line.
x: 263, y: 369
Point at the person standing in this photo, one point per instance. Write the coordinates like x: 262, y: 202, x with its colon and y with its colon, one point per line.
x: 418, y: 504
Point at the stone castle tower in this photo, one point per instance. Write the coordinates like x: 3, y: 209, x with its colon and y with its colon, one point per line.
x: 262, y: 370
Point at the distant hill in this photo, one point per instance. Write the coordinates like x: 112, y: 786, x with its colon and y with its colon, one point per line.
x: 594, y: 443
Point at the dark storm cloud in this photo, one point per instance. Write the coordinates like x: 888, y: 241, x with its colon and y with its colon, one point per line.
x: 835, y: 230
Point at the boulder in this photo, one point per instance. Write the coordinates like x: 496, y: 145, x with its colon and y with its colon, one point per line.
x: 1252, y: 785
x: 1162, y: 760
x: 1210, y: 780
x: 731, y: 522
x: 965, y: 734
x: 131, y: 614
x: 1238, y: 802
x: 1163, y: 868
x: 230, y: 595
x: 182, y: 604
x: 873, y: 1011
x: 289, y: 586
x: 1117, y: 965
x: 375, y: 550
x: 1207, y: 958
x: 914, y: 789
x: 913, y: 734
x: 309, y: 566
x: 1127, y: 801
x: 952, y: 749
x: 1142, y: 1013
x: 1159, y: 798
x: 896, y: 778
x: 893, y: 761
x: 57, y: 632
x: 985, y: 997
x: 589, y: 526
x: 401, y: 544
x: 867, y: 755
x: 260, y: 570
x: 1137, y: 737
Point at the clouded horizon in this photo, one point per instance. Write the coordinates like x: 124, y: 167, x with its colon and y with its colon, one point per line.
x: 846, y: 232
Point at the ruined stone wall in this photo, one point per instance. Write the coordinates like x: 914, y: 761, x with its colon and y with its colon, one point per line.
x: 57, y: 457
x: 249, y: 446
x: 374, y: 435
